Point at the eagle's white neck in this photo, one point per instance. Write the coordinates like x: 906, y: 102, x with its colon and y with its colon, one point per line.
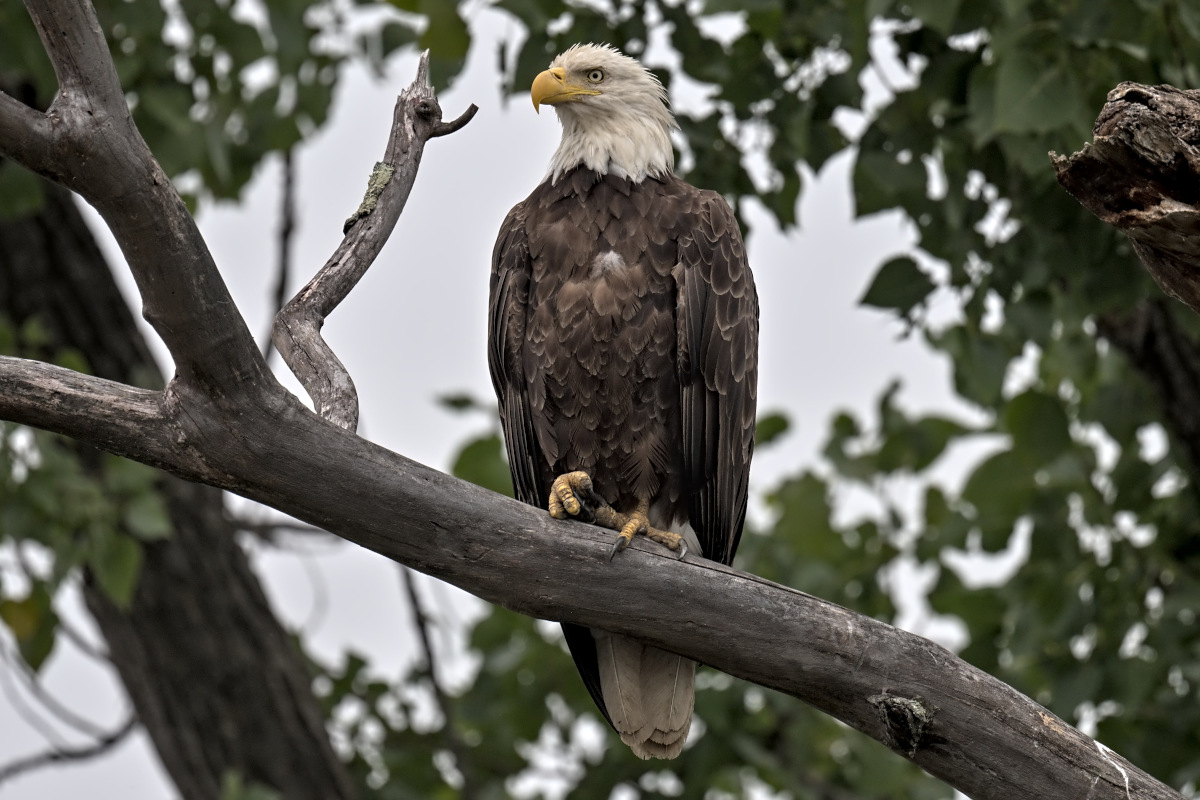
x: 632, y: 142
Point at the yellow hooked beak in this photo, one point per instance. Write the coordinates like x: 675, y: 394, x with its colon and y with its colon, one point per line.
x: 551, y: 87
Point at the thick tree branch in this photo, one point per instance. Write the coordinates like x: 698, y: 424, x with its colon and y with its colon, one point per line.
x: 87, y: 141
x: 24, y: 134
x: 110, y: 415
x: 1142, y: 175
x: 955, y: 721
x: 75, y: 43
x: 297, y: 332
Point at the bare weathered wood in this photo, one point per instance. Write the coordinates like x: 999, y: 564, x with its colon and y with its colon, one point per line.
x: 241, y: 431
x: 1141, y: 174
x: 297, y: 331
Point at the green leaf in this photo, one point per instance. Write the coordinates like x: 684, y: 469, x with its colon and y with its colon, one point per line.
x: 899, y: 285
x: 235, y: 787
x: 749, y: 6
x: 916, y: 446
x: 980, y: 363
x: 881, y: 182
x: 460, y: 402
x: 769, y: 428
x: 1110, y: 405
x: 1035, y: 96
x: 937, y: 14
x: 1189, y: 17
x: 981, y: 609
x: 447, y: 38
x: 34, y: 334
x: 1001, y: 490
x: 123, y: 476
x: 1039, y: 427
x: 482, y: 463
x: 804, y: 522
x: 115, y: 560
x: 146, y: 516
x: 395, y: 35
x: 33, y: 624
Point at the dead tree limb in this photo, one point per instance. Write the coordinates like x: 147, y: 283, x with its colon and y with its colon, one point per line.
x: 297, y: 332
x: 1141, y: 174
x: 225, y: 421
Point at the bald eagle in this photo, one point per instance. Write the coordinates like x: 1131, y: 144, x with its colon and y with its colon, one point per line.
x: 623, y: 347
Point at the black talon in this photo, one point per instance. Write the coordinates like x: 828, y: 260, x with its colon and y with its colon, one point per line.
x: 620, y: 544
x: 682, y: 550
x: 586, y: 513
x: 590, y: 497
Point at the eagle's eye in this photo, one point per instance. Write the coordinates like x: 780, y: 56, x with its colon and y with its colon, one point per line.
x: 596, y: 75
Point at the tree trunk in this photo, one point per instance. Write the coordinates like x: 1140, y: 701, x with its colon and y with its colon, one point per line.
x: 1141, y: 174
x: 211, y: 673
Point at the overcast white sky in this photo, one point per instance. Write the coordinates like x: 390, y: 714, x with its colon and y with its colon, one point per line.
x: 415, y: 329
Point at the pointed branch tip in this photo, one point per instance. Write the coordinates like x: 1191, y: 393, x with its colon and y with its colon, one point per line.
x: 422, y: 78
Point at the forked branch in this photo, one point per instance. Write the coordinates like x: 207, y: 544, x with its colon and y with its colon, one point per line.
x: 87, y: 142
x: 297, y: 330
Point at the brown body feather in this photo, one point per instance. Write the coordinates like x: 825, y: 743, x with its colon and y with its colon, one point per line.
x: 623, y: 341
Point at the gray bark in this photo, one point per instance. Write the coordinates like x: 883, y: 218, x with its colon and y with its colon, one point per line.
x: 1141, y: 174
x: 223, y: 420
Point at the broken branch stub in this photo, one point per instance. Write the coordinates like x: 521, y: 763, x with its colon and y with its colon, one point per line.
x: 1141, y: 174
x: 297, y: 329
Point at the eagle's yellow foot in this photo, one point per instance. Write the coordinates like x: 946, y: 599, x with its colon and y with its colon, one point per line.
x: 631, y: 525
x: 572, y: 495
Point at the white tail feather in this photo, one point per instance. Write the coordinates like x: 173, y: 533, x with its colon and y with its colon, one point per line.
x: 619, y: 667
x: 649, y: 694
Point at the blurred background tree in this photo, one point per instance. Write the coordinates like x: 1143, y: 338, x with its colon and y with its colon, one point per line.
x: 1084, y: 377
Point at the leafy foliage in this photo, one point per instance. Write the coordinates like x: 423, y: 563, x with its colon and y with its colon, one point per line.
x: 950, y: 109
x: 92, y: 513
x: 216, y: 86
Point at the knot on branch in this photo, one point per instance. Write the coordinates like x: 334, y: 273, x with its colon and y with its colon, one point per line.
x: 906, y: 721
x: 429, y: 109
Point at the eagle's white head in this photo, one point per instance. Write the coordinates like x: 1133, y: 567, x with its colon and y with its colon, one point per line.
x: 613, y: 111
